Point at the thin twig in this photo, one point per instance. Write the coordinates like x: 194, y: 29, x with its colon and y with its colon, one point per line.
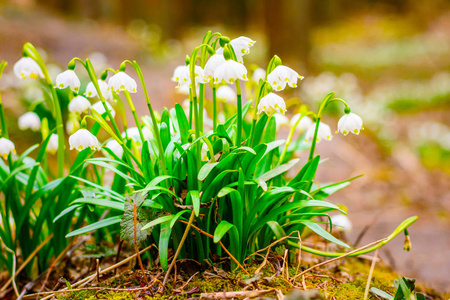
x: 118, y: 255
x: 337, y: 258
x: 29, y: 258
x: 369, y: 279
x: 89, y: 278
x: 97, y: 269
x: 271, y: 245
x: 221, y: 244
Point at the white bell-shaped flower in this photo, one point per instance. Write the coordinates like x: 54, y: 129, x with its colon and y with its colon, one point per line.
x: 6, y: 147
x: 52, y: 145
x: 281, y: 76
x: 230, y: 71
x: 68, y: 78
x: 183, y: 76
x: 241, y: 46
x: 176, y: 73
x: 26, y: 67
x: 226, y: 93
x: 29, y: 120
x: 72, y: 124
x: 83, y: 139
x: 91, y: 91
x: 115, y: 147
x: 350, y: 123
x: 98, y: 107
x: 211, y: 65
x: 342, y: 222
x: 281, y: 120
x: 122, y: 82
x: 304, y: 123
x: 79, y: 105
x: 272, y: 103
x: 258, y: 74
x: 323, y: 133
x: 133, y: 133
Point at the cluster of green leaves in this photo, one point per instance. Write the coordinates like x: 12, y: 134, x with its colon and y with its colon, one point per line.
x: 239, y: 194
x: 405, y: 290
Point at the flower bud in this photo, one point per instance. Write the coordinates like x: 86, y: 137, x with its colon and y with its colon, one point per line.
x: 223, y: 40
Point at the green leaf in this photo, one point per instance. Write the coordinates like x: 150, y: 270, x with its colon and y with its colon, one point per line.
x: 277, y: 229
x: 194, y: 196
x: 100, y: 202
x: 205, y: 170
x: 163, y: 245
x: 182, y: 123
x: 323, y: 233
x: 160, y: 220
x: 221, y: 230
x: 95, y: 226
x: 278, y: 170
x: 381, y: 293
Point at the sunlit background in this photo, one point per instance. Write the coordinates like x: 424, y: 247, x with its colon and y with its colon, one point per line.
x: 389, y: 59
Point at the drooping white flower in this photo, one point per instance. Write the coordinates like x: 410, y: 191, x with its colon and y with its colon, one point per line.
x: 342, y: 222
x: 350, y: 123
x: 230, y: 71
x: 52, y: 145
x: 281, y: 120
x: 323, y: 133
x: 122, y: 82
x: 98, y: 107
x: 79, y: 105
x: 258, y: 74
x: 183, y: 76
x: 68, y: 78
x: 304, y: 123
x: 83, y: 139
x: 225, y: 93
x: 6, y: 147
x: 211, y: 65
x: 241, y: 46
x: 29, y: 120
x: 91, y: 91
x: 26, y: 67
x: 115, y: 147
x: 281, y: 76
x: 72, y: 124
x: 176, y: 73
x: 133, y: 133
x: 272, y: 103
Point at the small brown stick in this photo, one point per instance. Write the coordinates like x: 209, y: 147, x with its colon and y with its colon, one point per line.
x: 299, y: 252
x: 263, y: 263
x: 87, y: 289
x: 337, y: 258
x: 183, y: 238
x: 271, y: 245
x: 29, y: 258
x: 118, y: 255
x: 97, y: 269
x: 369, y: 279
x: 227, y: 295
x: 304, y: 283
x: 89, y: 278
x: 136, y: 247
x: 279, y: 294
x: 222, y: 245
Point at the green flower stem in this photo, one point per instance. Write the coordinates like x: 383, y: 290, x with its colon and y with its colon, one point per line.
x: 214, y: 108
x: 327, y: 100
x: 4, y: 131
x: 291, y: 135
x: 255, y: 115
x: 405, y: 224
x: 135, y: 116
x: 138, y: 71
x: 30, y: 51
x: 122, y: 112
x: 239, y: 113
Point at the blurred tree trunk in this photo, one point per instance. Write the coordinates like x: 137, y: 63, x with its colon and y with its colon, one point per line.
x: 288, y: 25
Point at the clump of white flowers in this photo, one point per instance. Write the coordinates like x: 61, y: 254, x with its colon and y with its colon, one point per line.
x: 91, y: 91
x: 79, y: 105
x: 100, y: 108
x: 281, y: 76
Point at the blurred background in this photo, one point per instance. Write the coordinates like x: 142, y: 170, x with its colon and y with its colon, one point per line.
x: 390, y: 59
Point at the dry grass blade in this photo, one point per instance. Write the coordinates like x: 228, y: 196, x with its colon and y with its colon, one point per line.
x: 369, y: 279
x: 13, y: 271
x: 337, y: 258
x: 240, y: 294
x: 29, y: 258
